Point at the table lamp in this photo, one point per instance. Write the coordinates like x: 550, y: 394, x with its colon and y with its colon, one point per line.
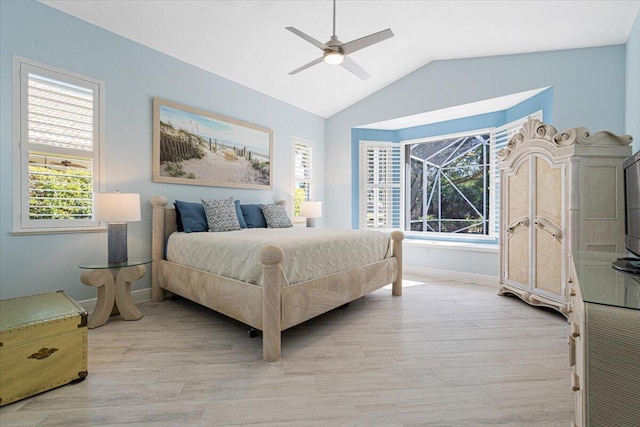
x: 311, y: 210
x: 116, y: 209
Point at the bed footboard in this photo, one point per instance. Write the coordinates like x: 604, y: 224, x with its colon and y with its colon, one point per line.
x: 272, y: 284
x: 286, y: 306
x: 397, y: 237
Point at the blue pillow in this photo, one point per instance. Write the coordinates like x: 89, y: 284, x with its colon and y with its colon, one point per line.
x: 243, y: 223
x: 179, y: 225
x: 192, y: 216
x: 253, y: 216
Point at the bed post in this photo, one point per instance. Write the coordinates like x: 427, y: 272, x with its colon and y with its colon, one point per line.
x: 271, y: 257
x: 397, y: 237
x: 157, y: 244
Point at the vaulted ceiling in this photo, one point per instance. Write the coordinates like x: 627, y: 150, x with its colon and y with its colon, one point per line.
x: 245, y: 40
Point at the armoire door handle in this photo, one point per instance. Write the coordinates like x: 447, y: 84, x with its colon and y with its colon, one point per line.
x: 546, y: 225
x: 520, y: 222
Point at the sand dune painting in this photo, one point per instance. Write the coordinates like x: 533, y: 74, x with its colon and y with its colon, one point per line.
x: 192, y: 146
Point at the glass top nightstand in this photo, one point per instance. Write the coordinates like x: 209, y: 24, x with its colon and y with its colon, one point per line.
x: 113, y: 282
x: 98, y: 265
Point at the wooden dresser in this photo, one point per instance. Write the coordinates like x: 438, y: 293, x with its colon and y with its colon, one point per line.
x: 605, y: 342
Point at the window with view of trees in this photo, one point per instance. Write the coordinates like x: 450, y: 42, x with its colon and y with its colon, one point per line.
x: 302, y: 174
x: 445, y: 184
x: 449, y: 184
x: 59, y: 135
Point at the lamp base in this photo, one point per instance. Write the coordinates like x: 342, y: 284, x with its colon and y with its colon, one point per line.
x: 117, y: 243
x: 311, y: 222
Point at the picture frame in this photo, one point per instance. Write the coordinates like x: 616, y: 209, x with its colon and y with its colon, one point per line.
x: 197, y: 147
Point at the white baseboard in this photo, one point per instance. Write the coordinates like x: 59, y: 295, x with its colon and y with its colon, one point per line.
x: 140, y: 295
x: 480, y: 279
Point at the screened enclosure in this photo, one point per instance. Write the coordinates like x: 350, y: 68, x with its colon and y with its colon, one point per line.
x: 449, y: 185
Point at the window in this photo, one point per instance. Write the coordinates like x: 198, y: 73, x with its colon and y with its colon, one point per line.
x: 380, y: 185
x: 446, y: 184
x: 449, y: 184
x: 303, y: 165
x: 58, y: 120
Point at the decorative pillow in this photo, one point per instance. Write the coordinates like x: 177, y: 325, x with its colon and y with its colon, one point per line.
x: 276, y: 216
x: 253, y: 216
x: 179, y: 225
x: 221, y: 214
x: 190, y: 217
x: 243, y: 223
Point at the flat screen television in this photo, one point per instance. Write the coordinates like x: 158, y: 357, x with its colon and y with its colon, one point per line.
x: 632, y: 213
x: 631, y: 172
x: 632, y: 204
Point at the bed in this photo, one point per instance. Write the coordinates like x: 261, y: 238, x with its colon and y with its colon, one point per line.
x: 275, y: 303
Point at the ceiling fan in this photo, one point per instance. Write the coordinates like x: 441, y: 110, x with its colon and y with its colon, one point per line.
x: 335, y: 52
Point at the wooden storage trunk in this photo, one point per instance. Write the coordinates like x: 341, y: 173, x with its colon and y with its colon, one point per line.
x: 43, y: 344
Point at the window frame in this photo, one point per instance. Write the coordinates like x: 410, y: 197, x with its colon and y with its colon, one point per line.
x: 406, y: 194
x: 494, y: 182
x: 311, y: 146
x: 22, y: 224
x: 364, y: 145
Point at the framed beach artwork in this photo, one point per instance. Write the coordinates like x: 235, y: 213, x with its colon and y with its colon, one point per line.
x: 196, y: 147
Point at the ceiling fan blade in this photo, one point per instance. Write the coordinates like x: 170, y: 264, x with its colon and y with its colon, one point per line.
x: 308, y: 38
x: 350, y: 65
x: 304, y: 67
x: 366, y: 41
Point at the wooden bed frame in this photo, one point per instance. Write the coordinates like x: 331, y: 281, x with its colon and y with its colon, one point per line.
x: 274, y: 306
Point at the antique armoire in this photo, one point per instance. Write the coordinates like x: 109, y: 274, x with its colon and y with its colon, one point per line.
x: 560, y: 192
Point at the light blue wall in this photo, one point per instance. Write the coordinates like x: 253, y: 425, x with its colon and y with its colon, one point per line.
x: 583, y: 95
x: 632, y: 110
x: 134, y: 74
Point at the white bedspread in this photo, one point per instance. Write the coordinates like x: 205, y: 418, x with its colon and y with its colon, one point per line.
x: 308, y: 252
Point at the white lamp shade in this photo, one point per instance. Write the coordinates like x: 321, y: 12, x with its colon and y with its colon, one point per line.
x: 311, y: 209
x: 116, y: 207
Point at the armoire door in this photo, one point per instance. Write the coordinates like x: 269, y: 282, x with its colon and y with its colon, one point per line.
x: 517, y: 259
x: 547, y: 222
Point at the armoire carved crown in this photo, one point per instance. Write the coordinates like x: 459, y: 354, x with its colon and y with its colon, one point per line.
x: 535, y: 129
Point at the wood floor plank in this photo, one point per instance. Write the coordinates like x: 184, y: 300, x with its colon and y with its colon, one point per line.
x: 446, y: 353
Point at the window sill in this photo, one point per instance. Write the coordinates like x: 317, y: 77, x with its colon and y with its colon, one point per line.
x: 489, y: 247
x: 37, y: 231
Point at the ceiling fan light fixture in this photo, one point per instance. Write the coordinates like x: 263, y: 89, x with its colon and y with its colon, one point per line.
x: 333, y: 57
x: 334, y: 51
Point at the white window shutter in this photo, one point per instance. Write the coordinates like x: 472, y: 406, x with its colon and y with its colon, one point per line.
x: 381, y: 192
x: 303, y: 174
x: 60, y: 133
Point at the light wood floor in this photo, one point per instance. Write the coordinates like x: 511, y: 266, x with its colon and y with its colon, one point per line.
x: 443, y: 354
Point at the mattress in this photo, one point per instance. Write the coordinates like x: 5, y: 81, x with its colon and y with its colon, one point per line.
x: 309, y: 253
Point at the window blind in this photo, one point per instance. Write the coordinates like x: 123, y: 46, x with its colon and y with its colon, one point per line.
x: 60, y: 134
x: 303, y: 175
x: 381, y: 192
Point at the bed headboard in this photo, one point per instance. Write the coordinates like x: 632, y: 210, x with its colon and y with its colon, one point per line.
x: 163, y: 224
